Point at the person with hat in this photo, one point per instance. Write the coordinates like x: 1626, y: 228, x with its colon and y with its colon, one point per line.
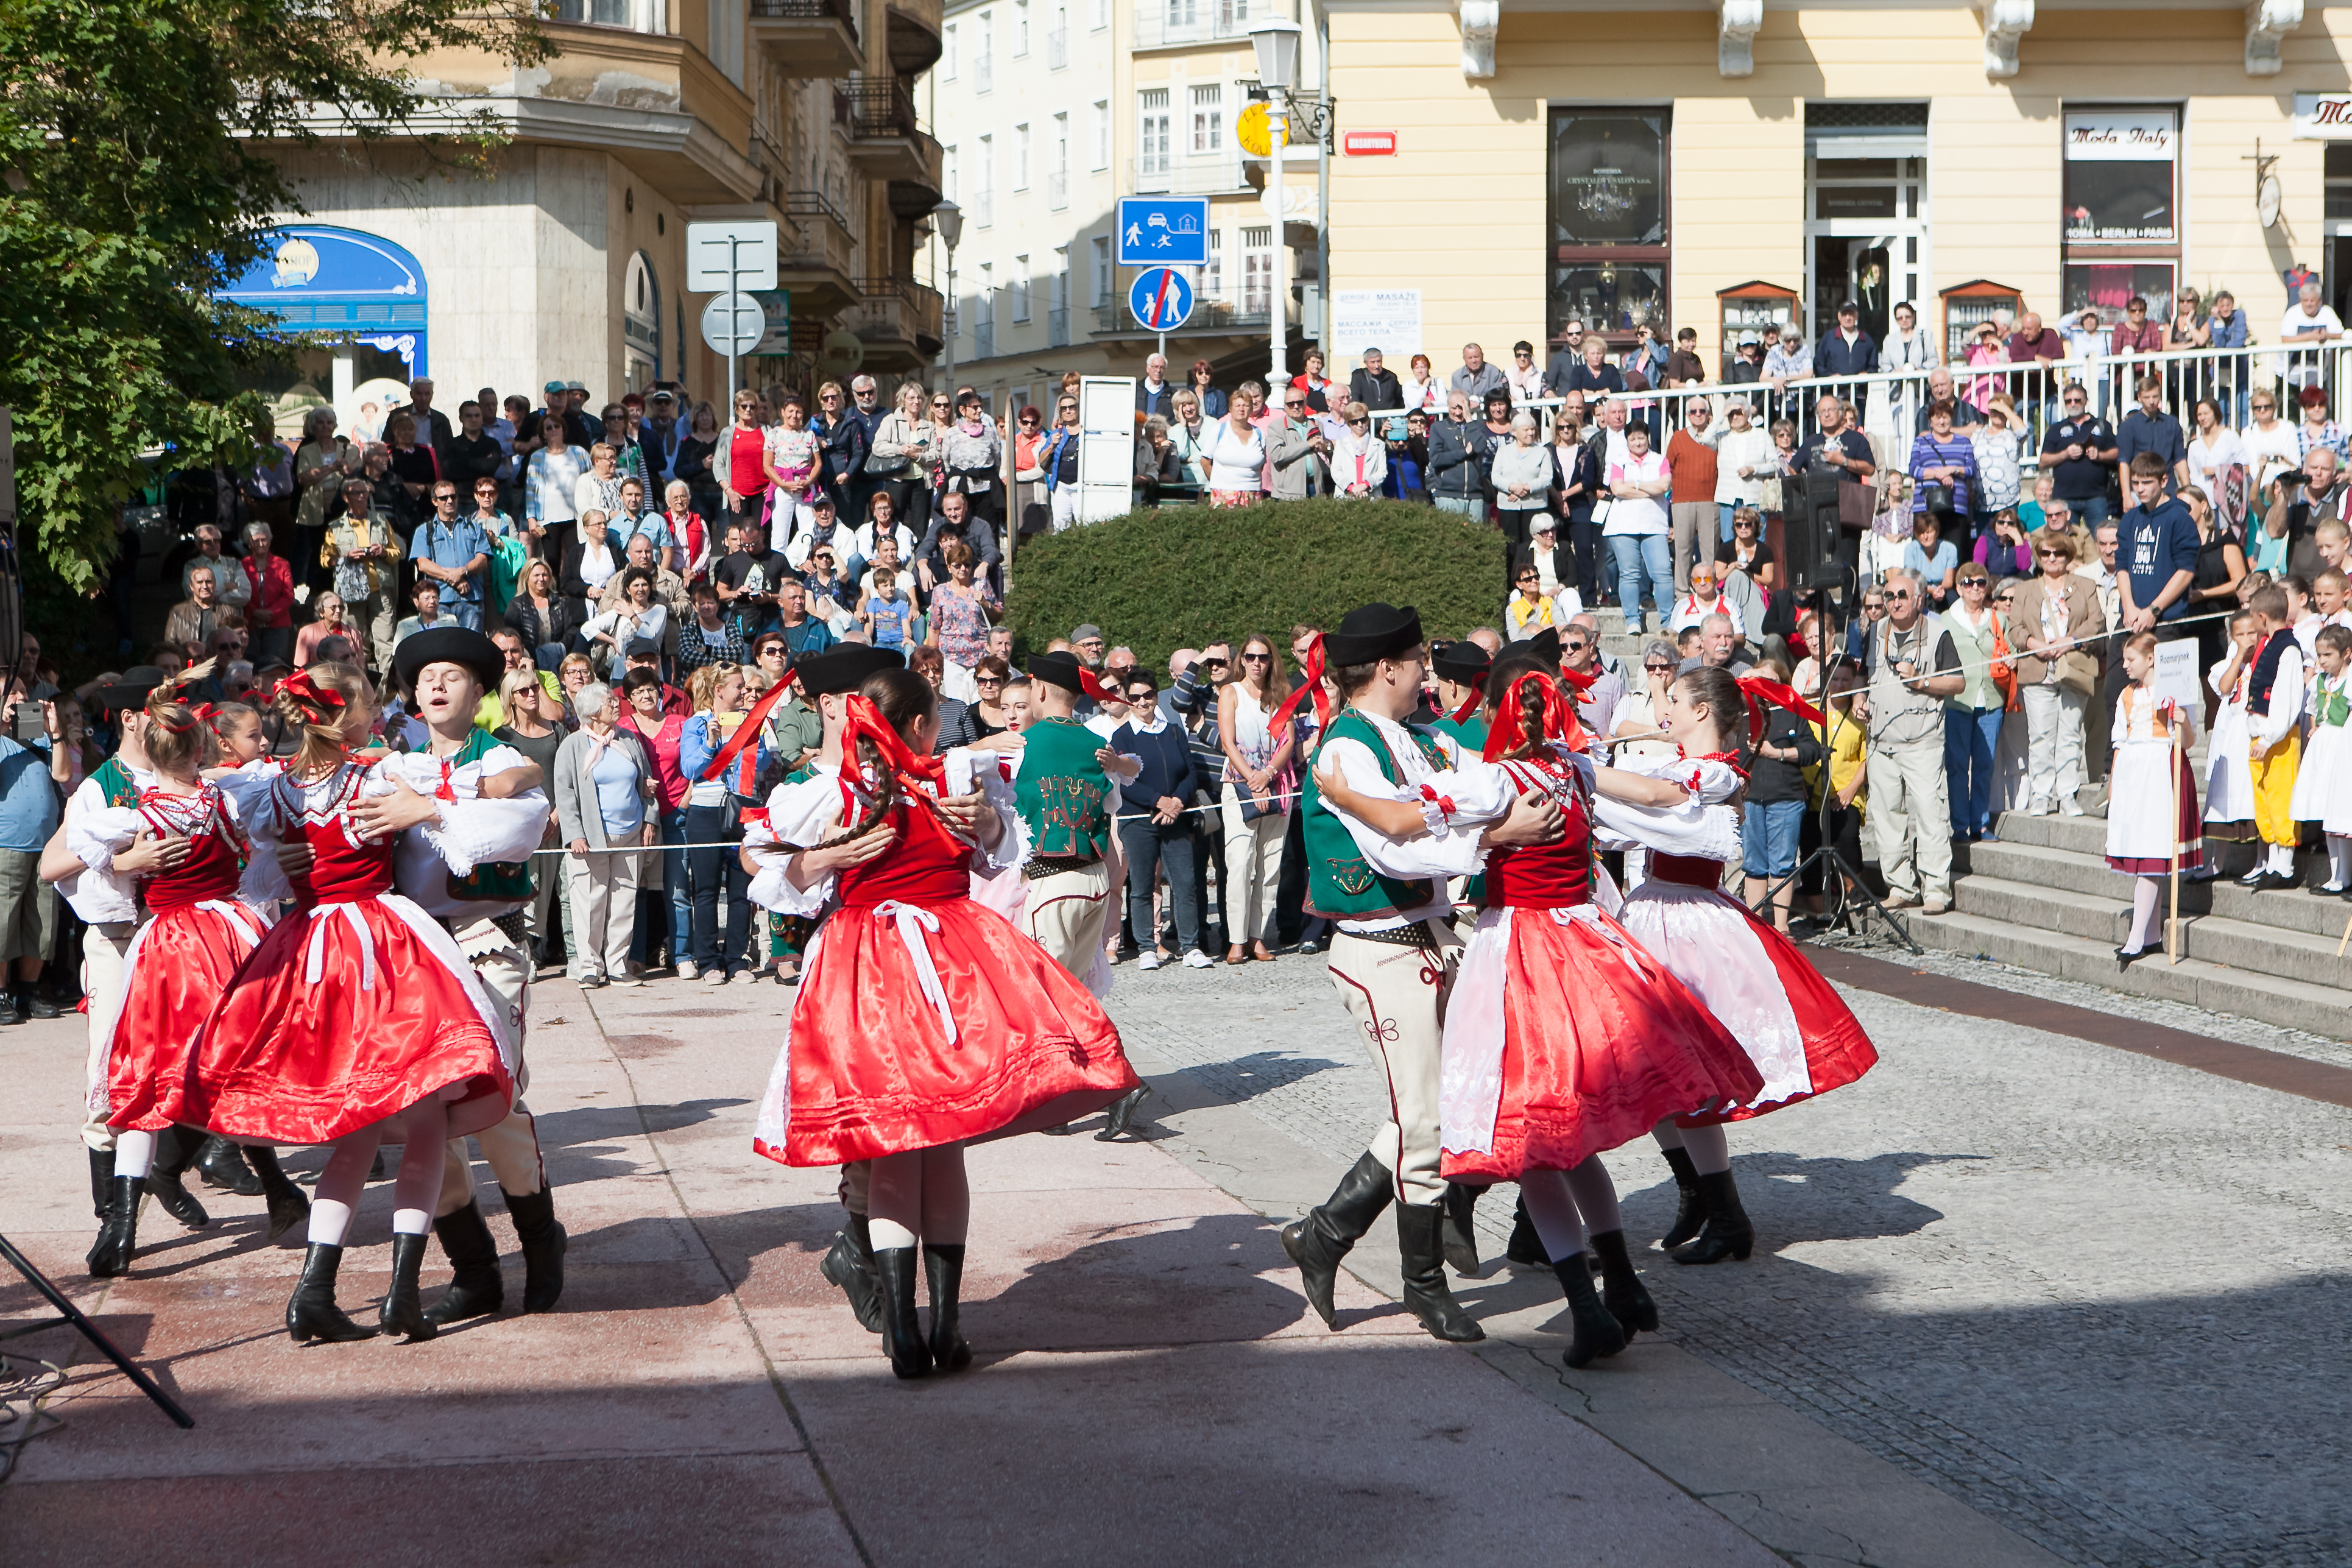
x: 1459, y: 668
x: 1393, y: 961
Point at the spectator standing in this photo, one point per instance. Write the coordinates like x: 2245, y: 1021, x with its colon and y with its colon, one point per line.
x: 1151, y: 393
x: 2158, y: 550
x: 696, y: 450
x: 1593, y: 372
x: 1476, y: 379
x: 1202, y: 381
x: 2230, y: 376
x: 604, y: 790
x: 1520, y: 474
x: 2217, y: 464
x: 2319, y: 431
x: 455, y: 554
x: 1847, y: 351
x: 1698, y: 520
x: 1576, y: 484
x: 1682, y: 366
x: 2037, y: 345
x: 2310, y: 323
x: 2148, y: 428
x: 1985, y: 351
x: 644, y: 716
x: 34, y: 776
x: 1744, y: 463
x: 1933, y: 560
x: 2056, y: 624
x: 1638, y: 526
x: 1315, y: 383
x: 713, y: 819
x: 416, y: 465
x: 2134, y: 339
x: 1375, y: 386
x: 1523, y: 378
x: 1260, y: 780
x: 896, y: 462
x: 1787, y: 361
x: 1421, y: 388
x: 269, y: 596
x: 592, y: 566
x: 1973, y: 715
x: 844, y: 438
x: 1155, y: 822
x: 1456, y: 474
x: 1998, y: 443
x: 474, y: 452
x: 1359, y: 462
x: 2079, y: 450
x: 2221, y: 568
x: 1911, y: 666
x: 550, y: 483
x: 1296, y: 449
x: 364, y: 556
x: 1910, y: 347
x: 1944, y: 468
x: 1772, y: 817
x: 228, y: 582
x: 740, y: 464
x: 321, y: 463
x: 969, y: 455
x: 1187, y: 431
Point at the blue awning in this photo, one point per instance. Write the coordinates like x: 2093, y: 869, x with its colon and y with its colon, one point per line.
x: 321, y: 279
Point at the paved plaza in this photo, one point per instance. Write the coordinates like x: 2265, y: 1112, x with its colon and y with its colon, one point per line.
x: 2029, y: 1293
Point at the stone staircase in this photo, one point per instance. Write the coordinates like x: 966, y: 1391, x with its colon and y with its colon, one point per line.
x: 2043, y: 899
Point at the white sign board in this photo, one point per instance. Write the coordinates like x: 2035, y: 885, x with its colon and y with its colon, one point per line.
x: 1106, y: 431
x: 2322, y: 116
x: 2120, y: 136
x: 2176, y: 675
x: 733, y: 324
x: 1388, y: 319
x: 738, y: 254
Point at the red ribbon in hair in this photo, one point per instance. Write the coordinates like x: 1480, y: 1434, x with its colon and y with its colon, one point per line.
x: 1510, y: 715
x: 302, y: 689
x: 1310, y: 685
x: 207, y: 712
x: 748, y: 730
x: 1761, y: 690
x: 865, y: 722
x: 1096, y: 687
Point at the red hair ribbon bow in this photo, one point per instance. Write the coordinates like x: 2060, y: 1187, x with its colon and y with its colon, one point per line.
x: 1560, y: 721
x: 1310, y: 685
x: 865, y: 722
x: 1096, y: 687
x: 303, y: 688
x: 748, y: 730
x: 1761, y: 690
x: 207, y: 712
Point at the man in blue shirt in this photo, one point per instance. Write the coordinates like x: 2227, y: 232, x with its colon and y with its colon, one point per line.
x: 30, y: 810
x: 2078, y: 452
x: 454, y: 553
x: 2148, y: 428
x: 2158, y: 554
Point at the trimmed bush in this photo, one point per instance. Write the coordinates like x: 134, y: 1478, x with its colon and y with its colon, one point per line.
x: 1182, y: 576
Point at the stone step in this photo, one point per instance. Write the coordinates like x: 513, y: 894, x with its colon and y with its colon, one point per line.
x: 2029, y: 908
x: 2257, y: 948
x: 2319, y: 1008
x: 2079, y: 874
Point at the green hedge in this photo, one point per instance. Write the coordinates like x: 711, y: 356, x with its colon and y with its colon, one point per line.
x: 1181, y: 576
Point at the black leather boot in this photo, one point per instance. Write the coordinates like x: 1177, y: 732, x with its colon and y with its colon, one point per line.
x: 118, y: 1233
x: 101, y: 1181
x: 222, y: 1165
x: 902, y: 1335
x: 544, y: 1243
x: 1727, y: 1232
x: 943, y: 1265
x: 1620, y: 1287
x: 476, y: 1289
x: 175, y: 1151
x: 1693, y: 1212
x: 310, y: 1311
x: 1425, y: 1293
x: 289, y: 1205
x: 850, y: 1266
x: 1597, y: 1332
x: 1458, y: 1239
x: 1122, y: 1113
x: 404, y: 1305
x: 1525, y: 1248
x: 1318, y: 1243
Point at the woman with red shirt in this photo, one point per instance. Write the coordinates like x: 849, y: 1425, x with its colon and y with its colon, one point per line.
x: 269, y: 605
x: 740, y: 464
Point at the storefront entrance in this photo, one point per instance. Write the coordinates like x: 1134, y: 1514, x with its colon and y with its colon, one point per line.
x: 1865, y: 211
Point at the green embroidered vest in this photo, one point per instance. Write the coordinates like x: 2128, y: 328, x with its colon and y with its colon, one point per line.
x: 1470, y: 733
x: 501, y: 882
x: 1341, y: 883
x: 113, y: 781
x: 1063, y: 793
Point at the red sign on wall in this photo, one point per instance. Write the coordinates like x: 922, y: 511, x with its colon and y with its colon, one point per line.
x: 1367, y: 143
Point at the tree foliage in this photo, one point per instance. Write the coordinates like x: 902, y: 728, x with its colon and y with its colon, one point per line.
x: 136, y: 178
x: 1159, y: 580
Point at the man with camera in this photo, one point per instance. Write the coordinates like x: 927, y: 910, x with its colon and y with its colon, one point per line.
x: 2307, y: 498
x: 34, y: 772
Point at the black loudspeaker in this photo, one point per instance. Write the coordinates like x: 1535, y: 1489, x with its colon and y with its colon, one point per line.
x: 1811, y: 533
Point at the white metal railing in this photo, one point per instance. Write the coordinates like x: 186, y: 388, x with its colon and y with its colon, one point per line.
x: 1167, y: 24
x: 1177, y: 175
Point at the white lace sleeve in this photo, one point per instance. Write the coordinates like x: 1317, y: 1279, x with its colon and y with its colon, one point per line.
x: 1465, y: 798
x: 798, y: 815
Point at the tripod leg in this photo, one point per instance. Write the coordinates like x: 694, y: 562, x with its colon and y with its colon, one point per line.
x: 73, y: 1316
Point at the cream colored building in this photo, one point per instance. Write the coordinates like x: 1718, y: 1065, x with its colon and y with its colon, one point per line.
x: 1628, y: 165
x: 565, y: 260
x: 1049, y: 112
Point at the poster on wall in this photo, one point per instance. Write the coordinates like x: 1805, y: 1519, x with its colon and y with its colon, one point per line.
x: 1388, y: 319
x: 2119, y: 184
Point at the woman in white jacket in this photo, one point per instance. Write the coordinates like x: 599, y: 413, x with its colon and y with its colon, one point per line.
x: 1359, y: 460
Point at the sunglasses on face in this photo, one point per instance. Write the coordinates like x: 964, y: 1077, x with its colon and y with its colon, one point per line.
x: 988, y: 680
x: 1902, y: 597
x: 1574, y: 647
x: 1659, y: 668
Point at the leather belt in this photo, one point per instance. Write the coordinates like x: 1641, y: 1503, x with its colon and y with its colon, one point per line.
x: 1417, y: 934
x: 1054, y: 864
x: 513, y: 924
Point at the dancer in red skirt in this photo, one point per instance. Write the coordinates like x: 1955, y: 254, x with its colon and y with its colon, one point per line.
x: 177, y: 965
x: 924, y: 1021
x: 1563, y: 1037
x: 1802, y: 1036
x: 357, y: 1021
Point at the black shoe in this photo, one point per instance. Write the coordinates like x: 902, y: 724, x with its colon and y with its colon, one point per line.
x: 1620, y: 1287
x: 1727, y: 1232
x: 2124, y: 959
x: 33, y: 1005
x: 1525, y: 1248
x: 289, y: 1205
x: 1596, y: 1330
x: 943, y: 1266
x: 101, y: 1181
x: 404, y: 1305
x: 544, y: 1243
x: 1319, y: 1242
x: 850, y: 1266
x: 118, y: 1235
x: 222, y: 1165
x: 902, y: 1336
x: 1693, y: 1212
x: 8, y: 1012
x: 310, y: 1311
x: 476, y: 1289
x: 1425, y: 1292
x: 1122, y: 1113
x: 1064, y: 1131
x: 175, y: 1150
x: 1455, y: 1237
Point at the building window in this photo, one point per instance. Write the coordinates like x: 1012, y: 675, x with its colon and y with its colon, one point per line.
x: 948, y: 52
x: 1060, y: 282
x: 2122, y: 236
x: 1057, y: 37
x: 983, y: 52
x: 1213, y: 276
x: 1208, y: 120
x: 1609, y: 240
x: 1020, y: 29
x: 1057, y: 170
x: 1021, y: 157
x: 1152, y: 139
x: 601, y: 12
x: 948, y: 182
x: 1100, y: 151
x: 1099, y: 278
x: 1183, y: 16
x: 1020, y: 287
x: 1257, y: 269
x: 1097, y: 15
x: 983, y: 183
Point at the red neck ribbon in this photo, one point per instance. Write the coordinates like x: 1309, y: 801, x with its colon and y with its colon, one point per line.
x: 864, y: 720
x: 1471, y: 703
x: 1510, y: 715
x: 747, y: 734
x: 1310, y: 685
x: 1761, y: 691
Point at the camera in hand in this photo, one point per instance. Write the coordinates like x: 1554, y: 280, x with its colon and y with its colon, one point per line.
x: 2293, y: 478
x: 26, y: 724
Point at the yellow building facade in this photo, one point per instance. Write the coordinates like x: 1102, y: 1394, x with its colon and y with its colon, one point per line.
x: 1635, y: 165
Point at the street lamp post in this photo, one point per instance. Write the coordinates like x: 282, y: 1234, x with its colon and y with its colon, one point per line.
x: 1277, y: 43
x: 947, y: 219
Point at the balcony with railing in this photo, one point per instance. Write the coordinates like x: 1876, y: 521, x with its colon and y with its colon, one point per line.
x: 898, y: 320
x: 818, y: 254
x: 807, y: 38
x: 887, y: 141
x: 1179, y: 24
x: 1178, y: 175
x: 1208, y: 317
x: 915, y: 45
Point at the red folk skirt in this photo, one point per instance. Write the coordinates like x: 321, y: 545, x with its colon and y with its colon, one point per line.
x: 178, y: 966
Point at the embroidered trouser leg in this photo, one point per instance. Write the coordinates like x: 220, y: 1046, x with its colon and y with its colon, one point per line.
x: 1067, y: 912
x: 103, y: 949
x: 512, y: 1145
x: 1396, y: 998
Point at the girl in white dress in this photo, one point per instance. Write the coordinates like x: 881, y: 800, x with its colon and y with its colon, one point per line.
x: 2151, y: 796
x: 2228, y: 780
x: 2323, y: 784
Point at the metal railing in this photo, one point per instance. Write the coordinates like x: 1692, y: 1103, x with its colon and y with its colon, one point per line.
x: 1208, y: 316
x: 1179, y: 175
x: 841, y: 11
x: 1166, y: 24
x: 871, y: 106
x: 1057, y: 327
x: 1057, y: 48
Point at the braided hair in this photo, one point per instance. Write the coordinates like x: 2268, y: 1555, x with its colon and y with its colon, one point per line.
x: 320, y: 722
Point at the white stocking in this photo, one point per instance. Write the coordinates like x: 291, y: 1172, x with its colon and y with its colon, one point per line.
x: 418, y: 1186
x: 1710, y: 1151
x: 134, y: 1152
x: 1596, y: 1196
x: 2283, y: 859
x: 339, y: 1186
x: 2146, y: 893
x: 894, y: 1200
x: 1552, y: 1210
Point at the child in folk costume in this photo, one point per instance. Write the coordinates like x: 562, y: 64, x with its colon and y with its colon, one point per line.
x: 357, y: 1021
x: 2274, y: 737
x: 1802, y: 1037
x: 2151, y: 796
x: 2229, y: 778
x: 2323, y: 788
x: 179, y: 963
x: 980, y: 1034
x: 1562, y: 1037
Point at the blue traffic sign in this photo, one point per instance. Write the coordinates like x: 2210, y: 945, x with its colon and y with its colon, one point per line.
x: 1159, y: 299
x: 1163, y: 231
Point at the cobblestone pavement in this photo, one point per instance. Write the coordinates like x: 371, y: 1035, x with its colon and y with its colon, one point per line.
x: 2101, y: 1299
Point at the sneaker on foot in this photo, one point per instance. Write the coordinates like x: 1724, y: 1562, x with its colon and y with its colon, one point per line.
x: 1149, y: 962
x: 715, y: 977
x: 1935, y: 906
x: 1196, y: 959
x: 687, y: 970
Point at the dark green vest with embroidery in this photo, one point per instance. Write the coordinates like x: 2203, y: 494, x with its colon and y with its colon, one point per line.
x: 1340, y: 881
x: 1063, y: 793
x: 494, y: 882
x: 113, y: 781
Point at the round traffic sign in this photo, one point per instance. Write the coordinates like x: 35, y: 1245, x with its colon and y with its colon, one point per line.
x: 1159, y: 299
x: 734, y: 324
